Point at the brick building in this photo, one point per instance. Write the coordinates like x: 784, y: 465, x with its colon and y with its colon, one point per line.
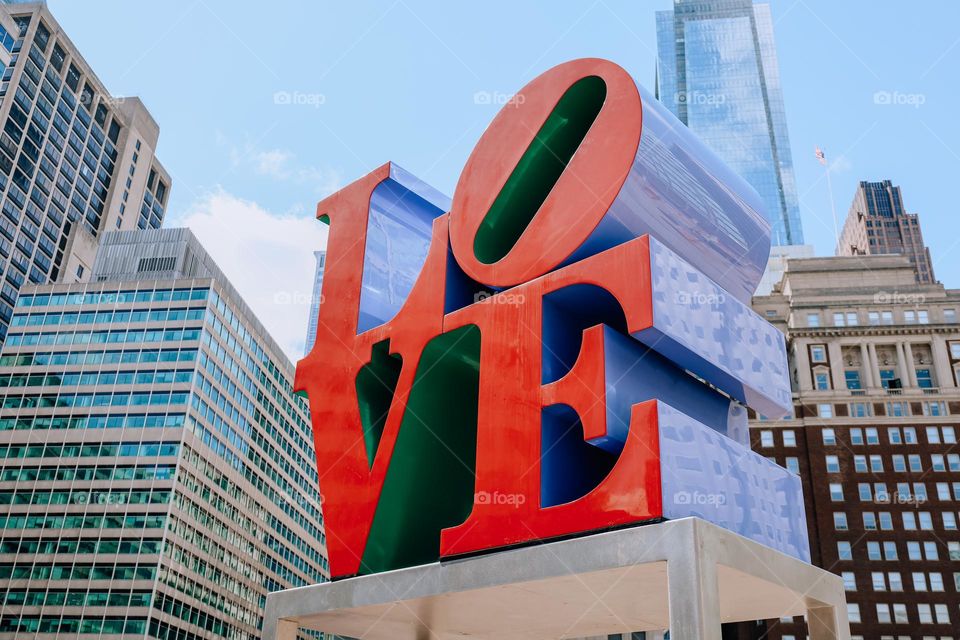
x: 875, y: 356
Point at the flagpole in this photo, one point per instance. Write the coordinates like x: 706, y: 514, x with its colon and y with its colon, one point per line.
x: 833, y: 208
x: 822, y: 159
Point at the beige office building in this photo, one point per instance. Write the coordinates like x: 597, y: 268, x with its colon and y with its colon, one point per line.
x: 157, y: 473
x: 75, y: 162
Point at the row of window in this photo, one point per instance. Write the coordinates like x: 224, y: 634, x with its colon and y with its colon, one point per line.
x: 103, y: 378
x: 872, y: 521
x: 145, y: 546
x: 93, y: 450
x: 930, y: 408
x: 112, y: 497
x: 874, y: 463
x: 57, y: 318
x: 111, y: 297
x: 46, y: 401
x: 77, y: 571
x: 32, y: 624
x: 125, y: 356
x: 76, y: 598
x: 877, y: 318
x: 867, y: 435
x: 910, y: 520
x: 897, y: 613
x: 103, y: 337
x: 57, y: 521
x: 922, y: 582
x: 888, y: 550
x: 125, y: 421
x: 72, y: 473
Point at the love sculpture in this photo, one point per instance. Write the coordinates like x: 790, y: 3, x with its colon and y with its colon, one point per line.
x: 566, y: 347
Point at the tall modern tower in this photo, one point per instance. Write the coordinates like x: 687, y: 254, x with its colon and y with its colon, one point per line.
x: 717, y: 72
x: 321, y: 257
x: 75, y: 162
x: 157, y: 472
x: 878, y: 223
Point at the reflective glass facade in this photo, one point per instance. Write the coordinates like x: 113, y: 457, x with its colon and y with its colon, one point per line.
x: 157, y: 475
x: 717, y: 72
x: 73, y: 159
x: 321, y: 257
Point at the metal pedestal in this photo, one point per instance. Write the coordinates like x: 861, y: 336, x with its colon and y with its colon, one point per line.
x: 686, y: 575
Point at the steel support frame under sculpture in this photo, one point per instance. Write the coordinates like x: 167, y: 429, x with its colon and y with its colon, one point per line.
x: 564, y: 348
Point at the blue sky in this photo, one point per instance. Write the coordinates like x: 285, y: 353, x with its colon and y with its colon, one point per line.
x: 262, y: 112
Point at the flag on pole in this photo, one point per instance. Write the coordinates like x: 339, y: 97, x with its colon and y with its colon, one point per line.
x: 820, y: 156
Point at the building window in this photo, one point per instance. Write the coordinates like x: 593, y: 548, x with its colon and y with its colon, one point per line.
x: 895, y: 581
x: 949, y: 315
x: 825, y: 410
x: 840, y: 521
x: 909, y: 435
x: 766, y: 438
x: 852, y: 377
x: 923, y: 316
x: 883, y: 610
x: 924, y: 379
x: 955, y: 350
x: 853, y: 613
x: 792, y: 465
x: 915, y: 464
x: 843, y: 550
x: 943, y: 616
x: 910, y: 316
x: 859, y: 409
x: 829, y: 436
x: 897, y: 409
x: 860, y: 464
x: 893, y: 434
x: 818, y: 353
x: 789, y: 437
x: 833, y: 464
x: 850, y: 580
x: 836, y: 492
x: 890, y: 550
x: 813, y: 319
x: 821, y: 379
x: 869, y: 521
x: 856, y: 436
x: 873, y: 317
x: 872, y: 436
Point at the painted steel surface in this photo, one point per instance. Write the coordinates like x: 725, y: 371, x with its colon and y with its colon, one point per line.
x: 515, y: 365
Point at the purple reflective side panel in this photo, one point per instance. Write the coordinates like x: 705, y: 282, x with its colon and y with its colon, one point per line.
x: 634, y: 373
x: 402, y: 210
x: 703, y: 329
x: 707, y: 475
x: 681, y: 193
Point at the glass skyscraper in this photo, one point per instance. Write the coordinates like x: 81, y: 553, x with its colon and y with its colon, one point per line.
x: 157, y: 473
x: 717, y: 72
x: 321, y: 257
